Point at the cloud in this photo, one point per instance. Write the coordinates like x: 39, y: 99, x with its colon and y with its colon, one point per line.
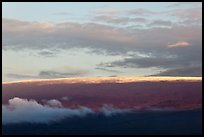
x: 107, y: 11
x: 33, y: 112
x: 107, y: 70
x: 140, y: 11
x: 160, y: 23
x: 188, y: 72
x: 47, y: 53
x: 171, y: 64
x: 63, y: 72
x: 113, y: 20
x: 181, y: 4
x: 54, y: 74
x: 179, y: 44
x: 119, y: 20
x: 189, y: 13
x: 109, y: 110
x: 54, y: 103
x: 111, y: 40
x: 35, y: 35
x: 29, y: 35
x: 30, y: 111
x: 145, y: 62
x: 141, y: 20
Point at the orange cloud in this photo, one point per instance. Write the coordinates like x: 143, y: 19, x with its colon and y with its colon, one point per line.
x: 179, y: 44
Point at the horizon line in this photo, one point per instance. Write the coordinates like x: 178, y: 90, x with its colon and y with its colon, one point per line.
x: 100, y: 79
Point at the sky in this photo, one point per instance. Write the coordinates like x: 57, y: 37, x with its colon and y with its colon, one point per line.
x: 93, y: 39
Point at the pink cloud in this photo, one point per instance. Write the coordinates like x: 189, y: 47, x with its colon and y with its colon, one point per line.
x: 179, y: 44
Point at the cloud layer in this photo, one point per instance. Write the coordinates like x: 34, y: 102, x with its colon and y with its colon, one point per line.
x: 30, y: 111
x: 169, y: 39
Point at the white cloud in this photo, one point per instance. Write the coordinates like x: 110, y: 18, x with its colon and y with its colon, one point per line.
x: 30, y: 111
x: 22, y: 110
x: 54, y: 103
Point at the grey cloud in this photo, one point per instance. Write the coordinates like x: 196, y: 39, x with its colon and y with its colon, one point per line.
x: 181, y: 4
x: 140, y: 12
x: 188, y: 72
x: 175, y: 64
x: 142, y: 20
x: 37, y: 35
x: 147, y: 62
x: 33, y: 112
x: 119, y: 20
x: 192, y: 13
x: 93, y: 36
x: 54, y: 74
x: 67, y: 72
x: 112, y: 40
x: 107, y: 70
x: 114, y: 20
x: 47, y: 53
x: 160, y: 23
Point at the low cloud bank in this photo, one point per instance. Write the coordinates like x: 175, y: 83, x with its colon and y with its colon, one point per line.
x: 30, y: 111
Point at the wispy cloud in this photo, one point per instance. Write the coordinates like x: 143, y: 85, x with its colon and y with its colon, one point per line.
x: 107, y: 70
x: 62, y: 72
x: 195, y: 71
